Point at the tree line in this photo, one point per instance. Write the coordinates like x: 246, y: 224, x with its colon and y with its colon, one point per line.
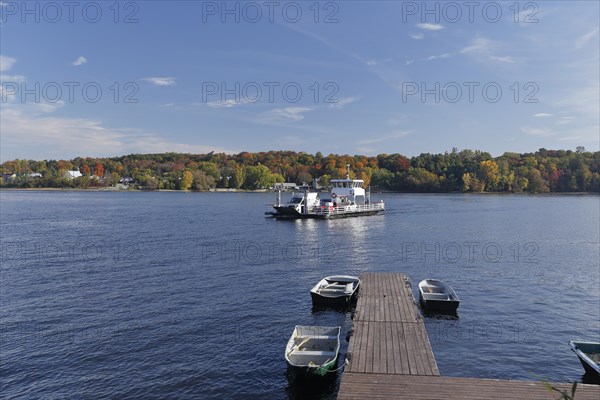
x: 454, y: 171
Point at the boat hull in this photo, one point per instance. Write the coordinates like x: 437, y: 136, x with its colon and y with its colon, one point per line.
x: 319, y: 300
x: 583, y: 350
x: 286, y: 211
x: 448, y: 306
x: 318, y: 371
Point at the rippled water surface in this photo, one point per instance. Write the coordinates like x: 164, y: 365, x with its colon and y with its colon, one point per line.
x: 194, y: 295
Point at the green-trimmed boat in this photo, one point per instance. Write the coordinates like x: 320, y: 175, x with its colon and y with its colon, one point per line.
x: 313, y: 350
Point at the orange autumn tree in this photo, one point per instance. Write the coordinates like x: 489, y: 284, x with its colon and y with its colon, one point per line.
x: 99, y: 169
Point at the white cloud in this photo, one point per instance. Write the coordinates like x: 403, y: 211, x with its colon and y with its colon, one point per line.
x: 430, y: 27
x: 543, y: 132
x: 379, y: 139
x: 485, y: 48
x: 80, y: 61
x: 565, y: 120
x: 224, y: 104
x: 6, y: 63
x: 581, y: 41
x: 507, y: 59
x: 71, y: 137
x: 11, y: 79
x: 417, y: 36
x: 445, y: 55
x: 542, y: 115
x: 371, y: 63
x: 344, y: 101
x: 160, y: 81
x: 284, y: 114
x: 48, y: 107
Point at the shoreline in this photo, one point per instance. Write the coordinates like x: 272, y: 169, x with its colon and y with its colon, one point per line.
x: 114, y: 190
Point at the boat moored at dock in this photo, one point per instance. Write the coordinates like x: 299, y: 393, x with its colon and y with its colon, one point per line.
x: 335, y: 290
x: 313, y: 350
x: 436, y: 295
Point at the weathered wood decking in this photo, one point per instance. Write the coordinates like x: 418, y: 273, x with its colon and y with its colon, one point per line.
x: 390, y: 356
x: 389, y: 334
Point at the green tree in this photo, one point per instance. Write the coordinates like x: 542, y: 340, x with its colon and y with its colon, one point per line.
x: 202, y: 181
x: 537, y: 183
x: 258, y: 177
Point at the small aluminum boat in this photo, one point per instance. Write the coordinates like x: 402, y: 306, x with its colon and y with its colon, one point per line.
x: 313, y: 350
x: 335, y: 290
x: 437, y: 295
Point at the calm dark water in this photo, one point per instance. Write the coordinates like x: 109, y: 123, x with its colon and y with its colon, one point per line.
x: 179, y: 295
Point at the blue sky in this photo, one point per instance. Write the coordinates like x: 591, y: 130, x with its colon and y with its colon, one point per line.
x: 355, y: 77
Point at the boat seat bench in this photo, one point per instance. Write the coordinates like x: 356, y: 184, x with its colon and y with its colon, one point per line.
x: 318, y: 337
x: 314, y: 353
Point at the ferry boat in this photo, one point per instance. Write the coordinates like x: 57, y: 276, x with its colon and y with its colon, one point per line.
x: 348, y: 198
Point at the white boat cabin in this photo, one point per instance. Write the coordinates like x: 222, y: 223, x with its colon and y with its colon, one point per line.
x: 348, y: 191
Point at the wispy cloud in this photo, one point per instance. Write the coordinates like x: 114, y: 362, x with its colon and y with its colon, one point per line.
x: 385, y: 138
x: 417, y: 36
x: 565, y: 120
x: 80, y: 61
x: 445, y: 55
x: 481, y: 47
x: 543, y: 132
x: 6, y: 63
x: 224, y: 103
x: 160, y: 81
x: 23, y: 131
x: 284, y: 114
x: 429, y: 26
x: 344, y: 101
x: 542, y: 115
x: 371, y: 63
x: 582, y: 40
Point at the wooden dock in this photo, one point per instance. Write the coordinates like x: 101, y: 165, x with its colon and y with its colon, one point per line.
x: 390, y: 356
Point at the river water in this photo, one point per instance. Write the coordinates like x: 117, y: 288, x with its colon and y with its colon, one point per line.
x: 194, y: 295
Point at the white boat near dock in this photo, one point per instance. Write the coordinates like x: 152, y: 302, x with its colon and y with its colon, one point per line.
x: 335, y: 290
x: 313, y: 350
x: 436, y: 295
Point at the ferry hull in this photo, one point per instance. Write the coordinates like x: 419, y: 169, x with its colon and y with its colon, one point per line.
x: 293, y: 214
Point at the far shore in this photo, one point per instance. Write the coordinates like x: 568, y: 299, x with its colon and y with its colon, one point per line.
x: 114, y: 190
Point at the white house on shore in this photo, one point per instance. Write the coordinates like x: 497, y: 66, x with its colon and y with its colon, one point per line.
x: 72, y: 175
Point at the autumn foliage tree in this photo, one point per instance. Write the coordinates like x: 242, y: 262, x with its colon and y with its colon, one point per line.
x: 187, y: 180
x: 99, y: 169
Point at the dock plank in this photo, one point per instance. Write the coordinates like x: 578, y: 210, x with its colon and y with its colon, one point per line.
x: 403, y: 387
x: 389, y: 334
